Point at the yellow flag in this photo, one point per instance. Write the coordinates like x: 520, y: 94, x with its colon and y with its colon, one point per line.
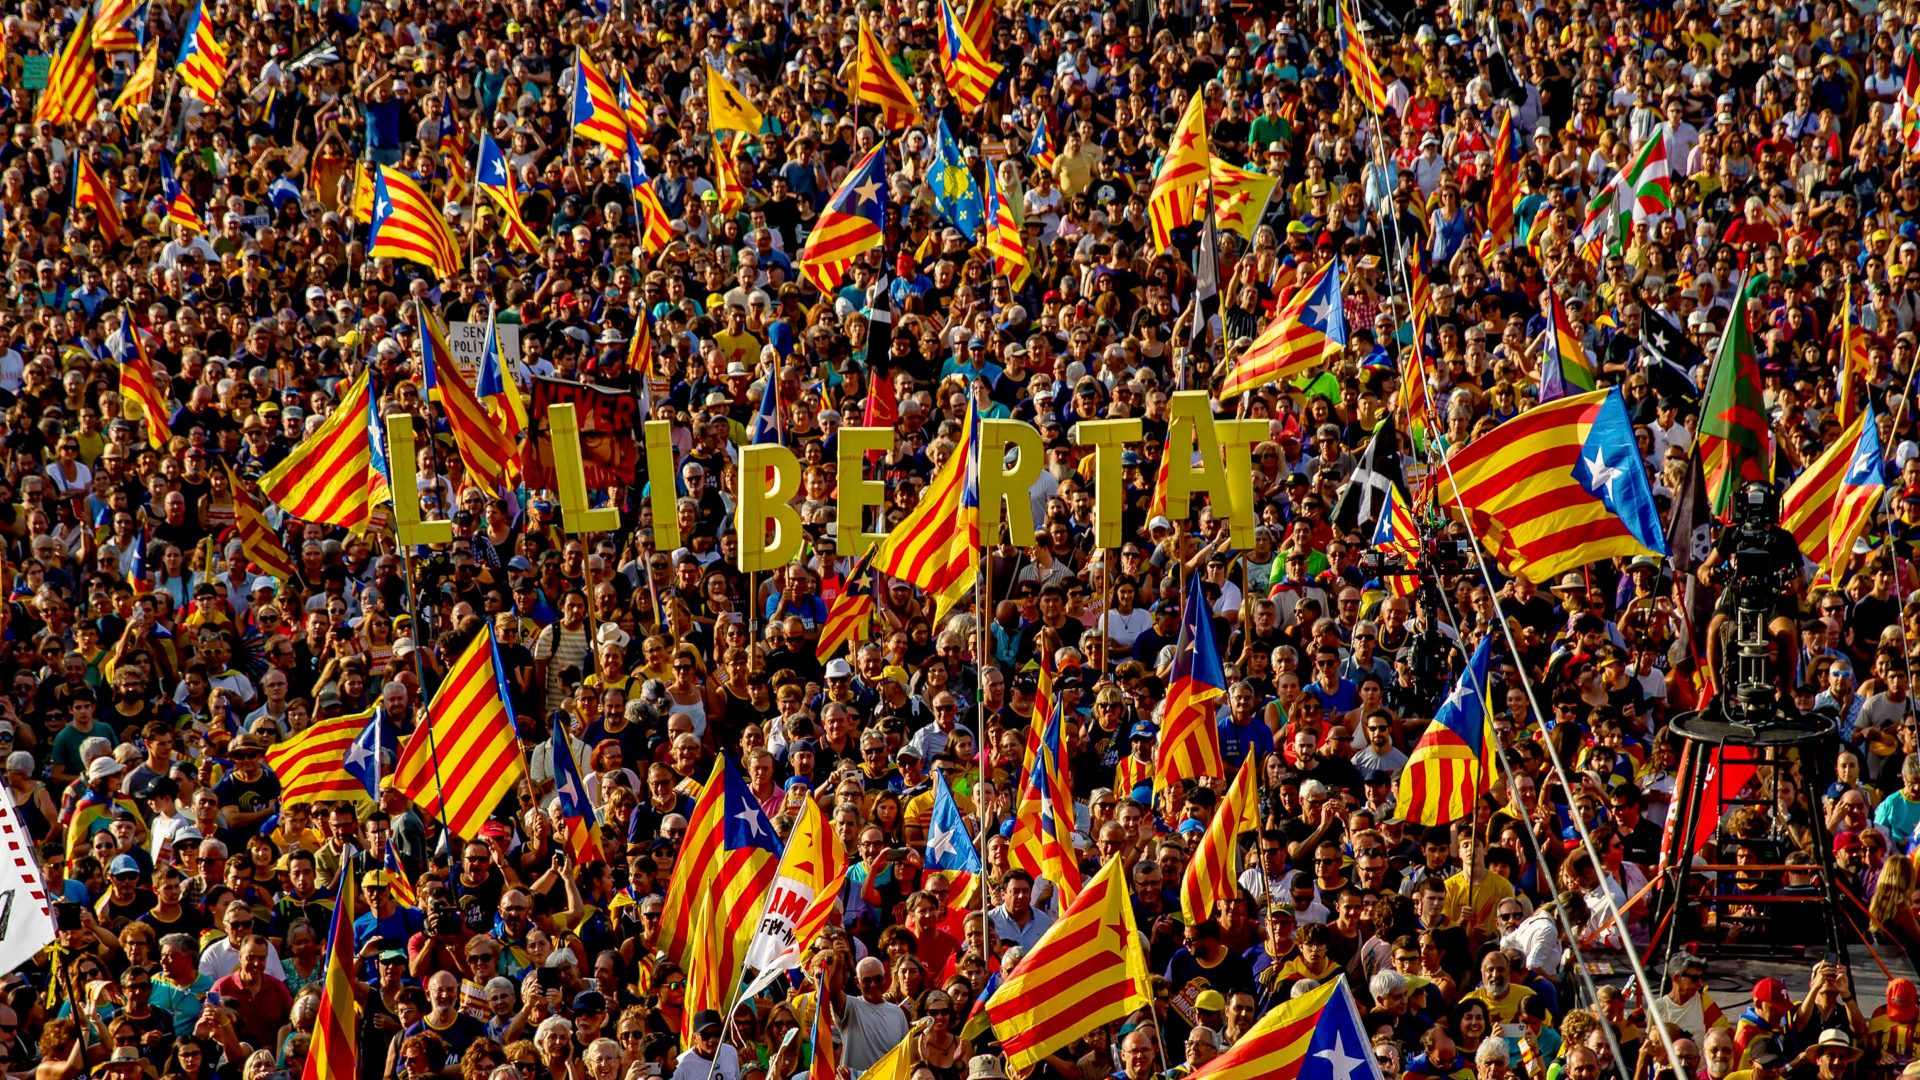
x: 898, y: 1062
x: 727, y: 108
x: 362, y: 193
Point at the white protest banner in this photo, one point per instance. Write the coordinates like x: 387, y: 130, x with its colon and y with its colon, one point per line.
x: 26, y: 919
x: 469, y: 339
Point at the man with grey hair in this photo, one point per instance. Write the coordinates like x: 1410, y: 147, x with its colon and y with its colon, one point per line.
x: 870, y: 1024
x: 1203, y: 1045
x: 1490, y: 1061
x: 222, y: 958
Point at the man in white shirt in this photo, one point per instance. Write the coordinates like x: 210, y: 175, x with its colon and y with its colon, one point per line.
x: 222, y: 958
x: 1537, y: 936
x: 869, y: 1024
x: 708, y: 1056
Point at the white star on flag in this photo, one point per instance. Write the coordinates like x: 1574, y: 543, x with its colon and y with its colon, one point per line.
x: 1603, y: 474
x: 868, y: 192
x: 382, y: 208
x: 1457, y: 697
x: 752, y: 819
x: 569, y: 794
x: 1323, y: 312
x: 940, y: 842
x: 1344, y: 1065
x: 358, y: 754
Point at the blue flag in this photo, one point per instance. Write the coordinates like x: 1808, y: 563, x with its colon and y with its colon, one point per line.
x: 949, y: 845
x: 364, y: 755
x: 1609, y: 468
x: 956, y: 197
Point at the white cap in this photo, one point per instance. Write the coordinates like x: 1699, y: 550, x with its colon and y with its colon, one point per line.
x: 262, y: 582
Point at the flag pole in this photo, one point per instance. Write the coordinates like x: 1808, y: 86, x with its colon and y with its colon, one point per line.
x: 983, y: 592
x: 413, y: 609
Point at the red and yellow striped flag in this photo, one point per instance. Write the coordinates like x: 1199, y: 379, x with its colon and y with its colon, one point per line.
x: 404, y: 893
x: 407, y: 224
x: 850, y: 616
x: 111, y: 32
x: 1189, y: 746
x: 634, y: 108
x: 1323, y: 1024
x: 72, y: 95
x: 876, y: 81
x: 485, y: 449
x: 969, y: 75
x: 1807, y: 508
x: 1174, y: 202
x: 139, y: 88
x: 93, y: 192
x: 1309, y: 330
x: 978, y: 23
x: 329, y: 478
x: 1087, y: 971
x: 137, y: 382
x: 656, y: 228
x: 1004, y: 238
x: 312, y: 765
x: 1042, y: 841
x: 203, y: 58
x: 1363, y: 75
x: 936, y: 547
x: 729, y: 843
x: 1211, y: 875
x: 596, y: 109
x: 726, y: 175
x: 1503, y: 190
x: 1853, y: 359
x: 335, y: 1050
x: 258, y: 541
x: 826, y: 1063
x: 465, y: 759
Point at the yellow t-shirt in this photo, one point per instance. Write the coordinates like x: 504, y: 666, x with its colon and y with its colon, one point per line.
x: 1473, y: 906
x: 1506, y: 1008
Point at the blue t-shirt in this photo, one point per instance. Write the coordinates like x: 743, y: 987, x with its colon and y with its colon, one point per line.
x: 383, y: 123
x: 399, y: 926
x: 1237, y: 742
x: 812, y: 610
x: 1335, y: 703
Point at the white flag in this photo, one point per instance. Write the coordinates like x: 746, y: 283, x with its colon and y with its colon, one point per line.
x: 26, y: 919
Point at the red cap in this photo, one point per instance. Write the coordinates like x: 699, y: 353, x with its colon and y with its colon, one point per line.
x: 1903, y: 1002
x: 1771, y: 991
x: 1846, y: 840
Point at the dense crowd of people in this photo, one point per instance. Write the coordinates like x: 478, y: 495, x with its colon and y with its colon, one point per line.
x: 149, y: 664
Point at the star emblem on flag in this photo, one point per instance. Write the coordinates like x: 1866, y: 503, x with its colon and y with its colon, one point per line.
x: 1601, y: 476
x: 1344, y: 1065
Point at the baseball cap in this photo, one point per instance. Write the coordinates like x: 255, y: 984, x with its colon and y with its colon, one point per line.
x: 123, y: 864
x: 1903, y: 1001
x: 1210, y: 1001
x: 1765, y: 1053
x: 1771, y: 991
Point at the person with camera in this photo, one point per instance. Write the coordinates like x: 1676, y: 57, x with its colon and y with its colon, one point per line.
x: 1759, y: 560
x: 441, y: 943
